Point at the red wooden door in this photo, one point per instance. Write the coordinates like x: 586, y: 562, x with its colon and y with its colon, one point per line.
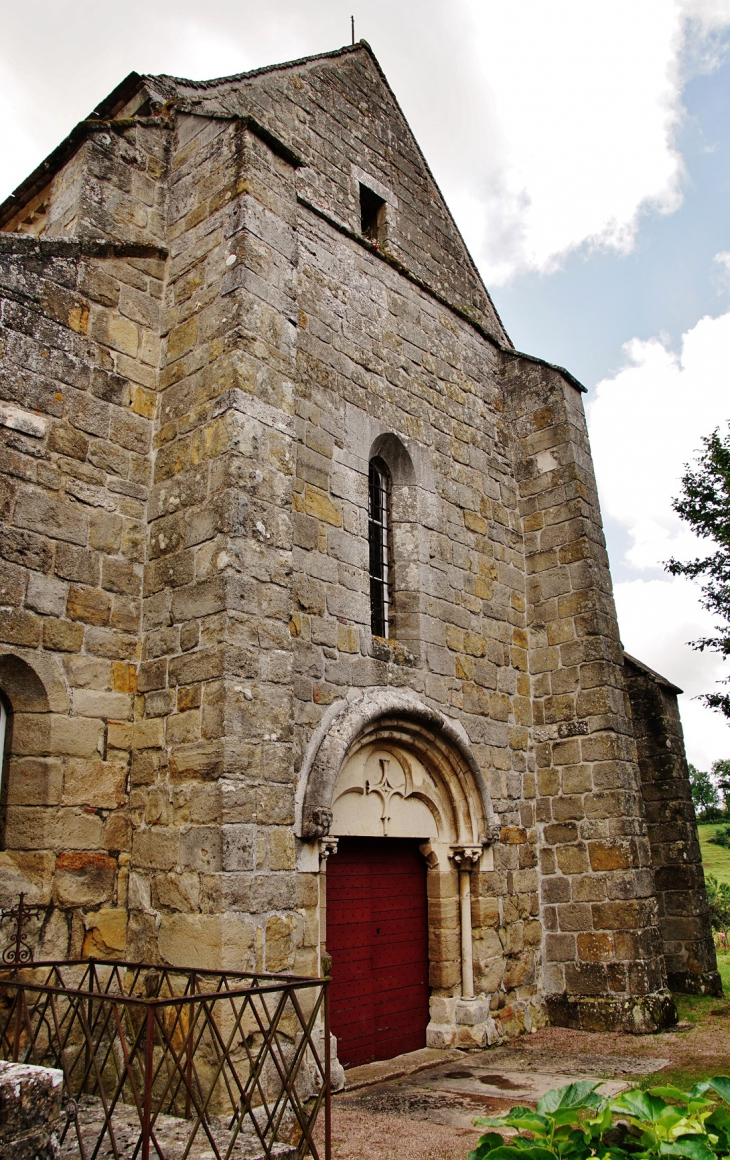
x: 377, y: 935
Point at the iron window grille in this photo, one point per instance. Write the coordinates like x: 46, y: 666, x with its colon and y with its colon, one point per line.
x: 381, y: 602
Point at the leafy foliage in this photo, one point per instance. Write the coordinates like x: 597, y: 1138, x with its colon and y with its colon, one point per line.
x: 721, y: 837
x: 705, y: 795
x: 575, y: 1123
x: 718, y: 897
x: 720, y: 772
x: 705, y: 505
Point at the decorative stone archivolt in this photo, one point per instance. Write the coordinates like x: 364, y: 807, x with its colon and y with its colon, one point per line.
x: 386, y: 764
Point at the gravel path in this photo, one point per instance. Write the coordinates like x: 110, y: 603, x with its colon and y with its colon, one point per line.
x: 373, y: 1136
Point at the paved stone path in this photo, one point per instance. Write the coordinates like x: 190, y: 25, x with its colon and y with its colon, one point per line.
x: 421, y: 1106
x: 452, y: 1088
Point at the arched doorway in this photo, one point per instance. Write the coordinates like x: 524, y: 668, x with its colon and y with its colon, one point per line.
x: 400, y: 808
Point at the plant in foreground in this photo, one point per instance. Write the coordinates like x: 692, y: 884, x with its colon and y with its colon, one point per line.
x: 575, y: 1122
x: 718, y: 899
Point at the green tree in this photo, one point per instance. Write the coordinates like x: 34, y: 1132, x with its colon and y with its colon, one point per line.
x: 718, y: 898
x: 704, y: 791
x: 704, y: 504
x: 721, y: 774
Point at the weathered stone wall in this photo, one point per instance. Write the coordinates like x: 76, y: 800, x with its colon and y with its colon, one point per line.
x: 603, y: 953
x: 76, y: 437
x: 689, y: 949
x: 192, y: 402
x: 213, y: 852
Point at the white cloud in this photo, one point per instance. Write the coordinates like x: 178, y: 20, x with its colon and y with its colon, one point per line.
x: 721, y: 275
x: 657, y: 618
x: 645, y: 424
x: 16, y: 140
x: 587, y: 100
x: 550, y: 126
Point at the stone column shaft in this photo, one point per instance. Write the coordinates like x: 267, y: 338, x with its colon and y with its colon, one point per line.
x: 466, y: 858
x: 467, y: 962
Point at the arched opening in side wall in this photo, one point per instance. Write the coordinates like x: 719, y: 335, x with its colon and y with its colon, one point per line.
x: 24, y: 735
x: 5, y: 735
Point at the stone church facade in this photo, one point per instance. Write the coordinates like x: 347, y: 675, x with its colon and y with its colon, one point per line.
x: 299, y: 555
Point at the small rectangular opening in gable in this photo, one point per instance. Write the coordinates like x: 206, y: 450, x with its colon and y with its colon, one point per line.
x: 372, y: 214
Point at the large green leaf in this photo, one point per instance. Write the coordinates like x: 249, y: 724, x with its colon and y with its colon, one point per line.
x: 612, y: 1152
x: 694, y: 1147
x: 669, y: 1092
x: 720, y: 1118
x: 487, y: 1144
x: 522, y: 1118
x: 574, y: 1146
x: 699, y: 1089
x: 721, y: 1084
x: 573, y: 1095
x: 640, y: 1105
x: 601, y: 1123
x: 510, y: 1152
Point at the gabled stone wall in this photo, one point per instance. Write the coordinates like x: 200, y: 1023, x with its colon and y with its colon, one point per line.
x: 196, y: 372
x: 76, y: 438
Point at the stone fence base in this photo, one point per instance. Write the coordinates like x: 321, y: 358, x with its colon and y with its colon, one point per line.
x: 30, y: 1108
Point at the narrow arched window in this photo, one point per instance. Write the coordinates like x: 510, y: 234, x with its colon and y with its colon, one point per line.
x: 380, y: 551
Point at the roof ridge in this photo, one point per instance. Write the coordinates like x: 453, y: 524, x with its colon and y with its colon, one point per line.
x: 263, y: 69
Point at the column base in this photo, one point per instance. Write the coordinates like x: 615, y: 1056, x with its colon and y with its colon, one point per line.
x: 695, y: 982
x: 470, y: 1023
x: 638, y: 1014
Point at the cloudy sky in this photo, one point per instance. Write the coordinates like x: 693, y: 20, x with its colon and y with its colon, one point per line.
x: 584, y: 147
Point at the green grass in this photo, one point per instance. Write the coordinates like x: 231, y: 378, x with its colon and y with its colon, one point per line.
x: 698, y: 1009
x: 695, y: 1008
x: 715, y: 859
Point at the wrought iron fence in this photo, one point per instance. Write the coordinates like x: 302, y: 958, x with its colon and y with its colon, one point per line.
x: 176, y: 1063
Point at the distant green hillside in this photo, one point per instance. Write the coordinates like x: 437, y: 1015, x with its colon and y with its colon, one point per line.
x: 715, y: 859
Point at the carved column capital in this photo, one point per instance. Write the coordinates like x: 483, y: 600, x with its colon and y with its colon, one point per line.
x: 466, y: 857
x: 327, y: 846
